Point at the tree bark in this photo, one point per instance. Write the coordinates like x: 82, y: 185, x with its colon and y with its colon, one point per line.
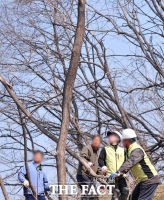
x: 3, y: 189
x: 67, y: 94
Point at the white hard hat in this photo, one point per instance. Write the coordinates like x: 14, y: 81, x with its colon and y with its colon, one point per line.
x: 116, y: 132
x: 128, y: 134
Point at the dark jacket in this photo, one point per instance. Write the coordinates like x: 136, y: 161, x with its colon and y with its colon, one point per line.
x: 137, y: 156
x: 90, y: 155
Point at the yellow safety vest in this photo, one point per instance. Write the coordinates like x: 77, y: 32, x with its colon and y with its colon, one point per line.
x: 144, y: 169
x: 114, y: 158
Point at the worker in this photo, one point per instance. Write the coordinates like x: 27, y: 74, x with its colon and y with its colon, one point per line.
x: 111, y: 158
x: 141, y: 167
x: 90, y: 154
x: 37, y: 176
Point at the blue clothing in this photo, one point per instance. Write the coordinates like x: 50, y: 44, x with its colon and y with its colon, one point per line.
x: 30, y: 197
x: 38, y: 178
x: 113, y: 175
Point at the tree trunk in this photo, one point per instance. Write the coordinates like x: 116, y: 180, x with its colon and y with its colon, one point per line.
x: 67, y: 94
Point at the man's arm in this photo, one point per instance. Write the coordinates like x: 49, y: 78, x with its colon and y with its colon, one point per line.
x: 102, y: 161
x: 135, y: 157
x: 85, y: 153
x: 45, y: 181
x: 102, y: 158
x: 21, y: 174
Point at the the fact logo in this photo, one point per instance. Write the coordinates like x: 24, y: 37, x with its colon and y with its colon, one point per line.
x: 65, y: 190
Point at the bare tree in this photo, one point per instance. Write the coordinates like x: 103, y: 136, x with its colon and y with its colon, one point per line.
x: 67, y: 90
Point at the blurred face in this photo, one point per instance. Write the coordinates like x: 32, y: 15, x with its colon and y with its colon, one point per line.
x: 113, y: 139
x: 126, y: 143
x: 38, y: 158
x: 96, y: 142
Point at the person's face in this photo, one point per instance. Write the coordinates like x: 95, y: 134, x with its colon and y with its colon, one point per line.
x: 125, y: 143
x: 38, y: 158
x: 96, y: 142
x: 113, y: 139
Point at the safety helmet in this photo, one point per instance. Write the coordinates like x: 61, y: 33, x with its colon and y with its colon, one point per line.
x: 128, y: 134
x: 116, y: 132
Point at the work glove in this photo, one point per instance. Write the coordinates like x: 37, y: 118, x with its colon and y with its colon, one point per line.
x: 46, y: 187
x: 104, y: 169
x: 90, y: 164
x: 26, y: 183
x: 113, y: 175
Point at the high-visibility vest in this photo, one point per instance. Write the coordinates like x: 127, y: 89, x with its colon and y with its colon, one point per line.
x: 114, y: 158
x: 144, y: 169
